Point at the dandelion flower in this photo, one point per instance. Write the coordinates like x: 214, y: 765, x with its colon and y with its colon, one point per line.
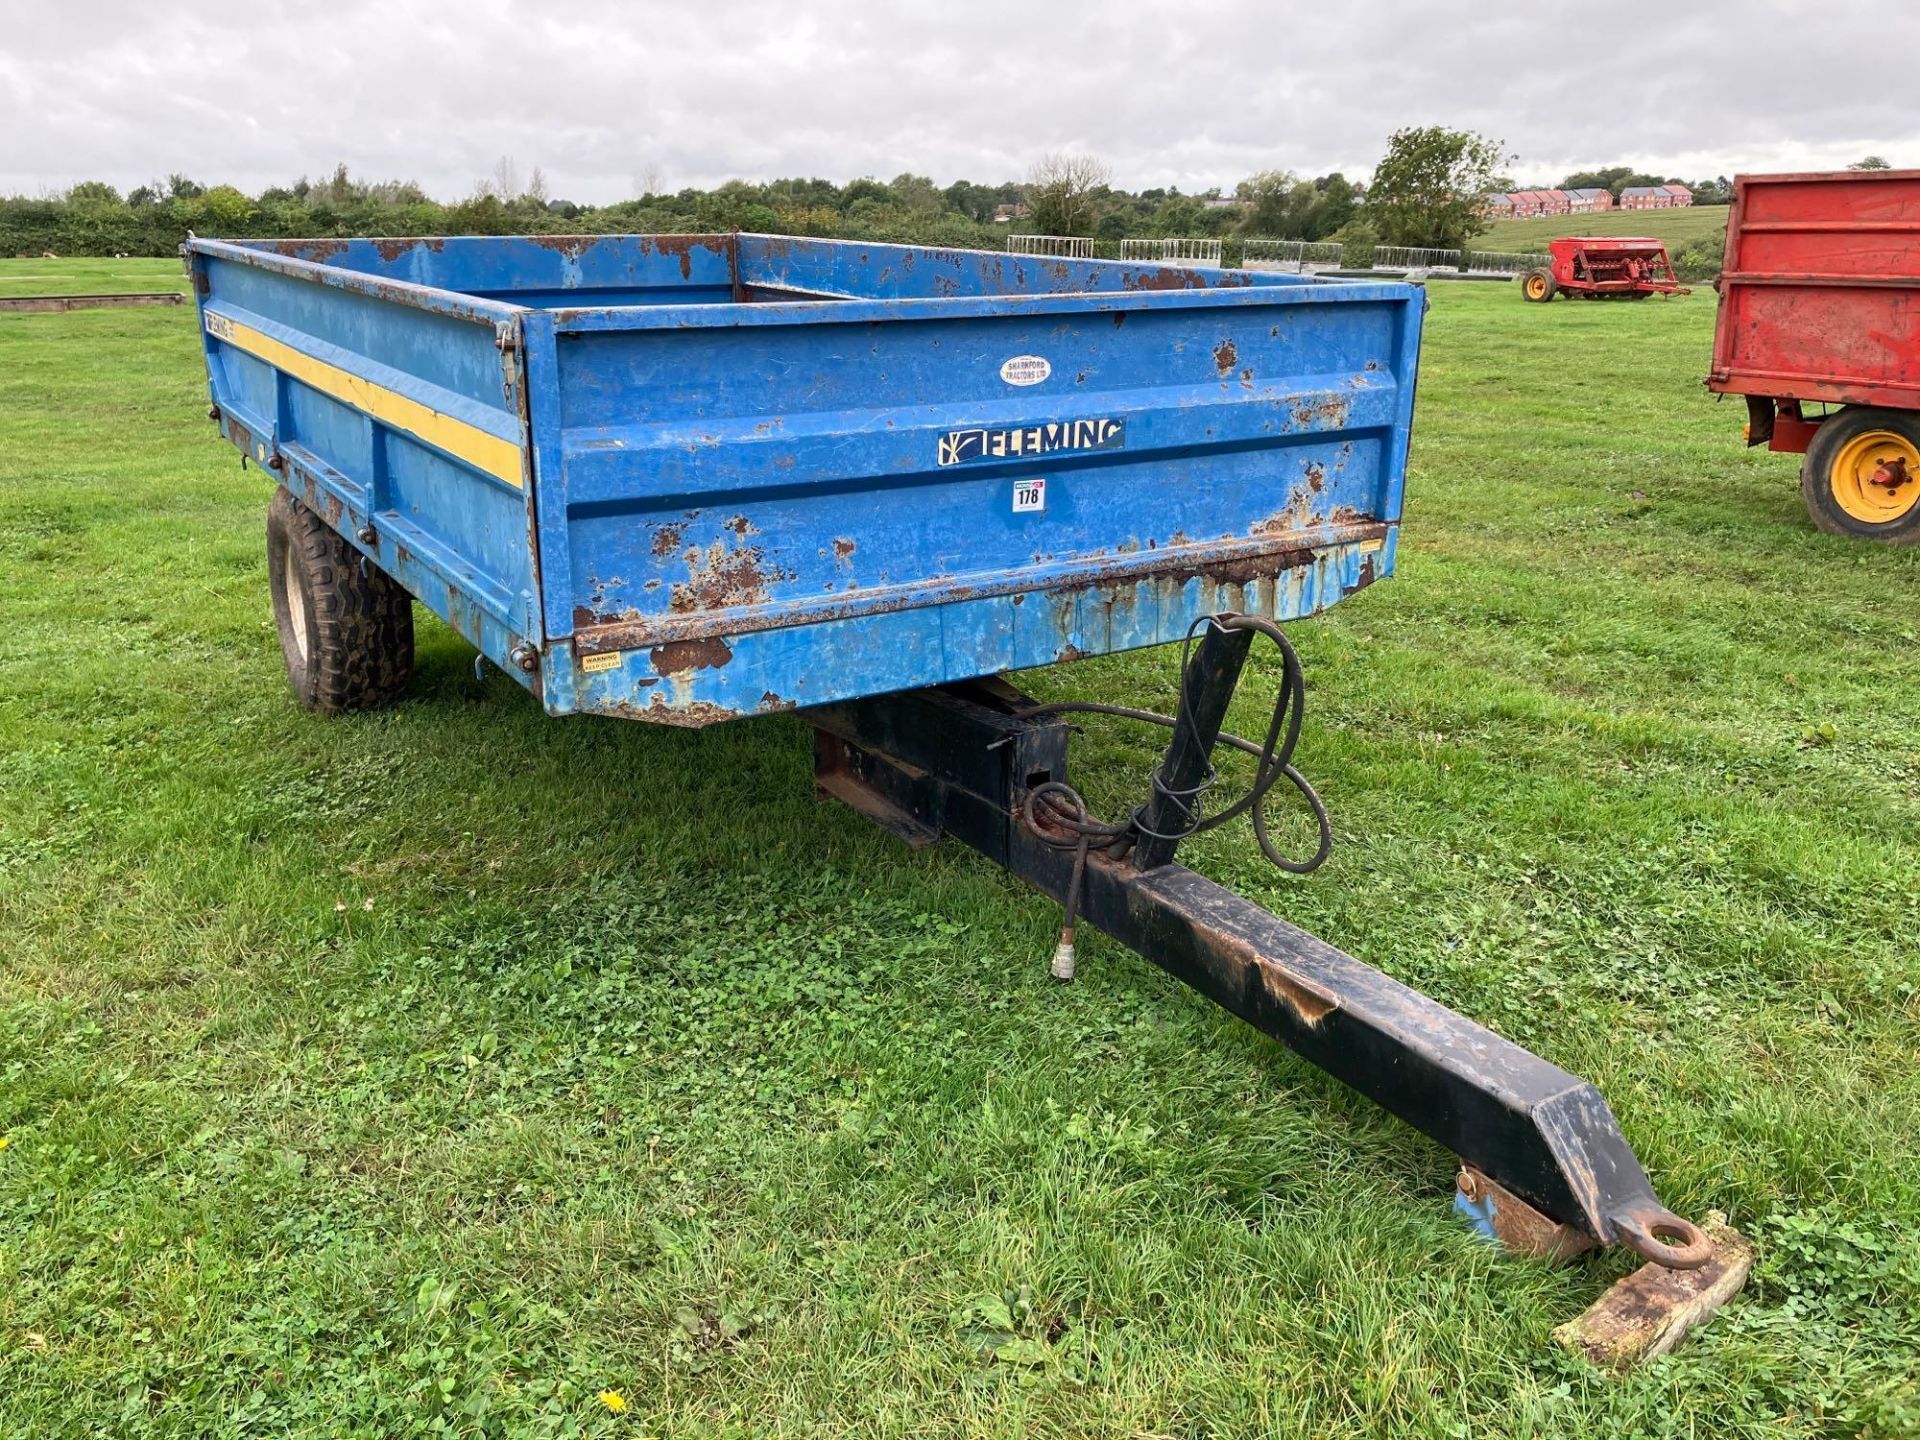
x: 613, y: 1400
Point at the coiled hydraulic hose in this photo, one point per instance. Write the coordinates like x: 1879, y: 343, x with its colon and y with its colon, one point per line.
x: 1057, y: 813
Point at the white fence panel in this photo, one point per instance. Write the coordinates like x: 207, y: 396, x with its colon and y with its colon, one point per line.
x: 1069, y: 247
x: 1272, y: 254
x: 1498, y: 262
x: 1414, y: 258
x: 1173, y: 251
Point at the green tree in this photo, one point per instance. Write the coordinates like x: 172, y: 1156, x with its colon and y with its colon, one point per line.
x: 1269, y: 205
x: 1062, y: 193
x: 1602, y: 179
x: 1872, y: 162
x: 1432, y: 185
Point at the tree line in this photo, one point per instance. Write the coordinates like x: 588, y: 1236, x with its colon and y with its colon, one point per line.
x: 1430, y: 189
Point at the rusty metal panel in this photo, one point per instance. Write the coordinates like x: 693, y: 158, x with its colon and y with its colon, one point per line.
x: 764, y: 472
x: 1821, y: 291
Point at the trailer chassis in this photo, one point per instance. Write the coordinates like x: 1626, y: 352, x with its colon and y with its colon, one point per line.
x: 1545, y: 1167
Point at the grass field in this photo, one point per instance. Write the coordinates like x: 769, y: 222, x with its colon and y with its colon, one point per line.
x: 1676, y: 227
x: 434, y: 1071
x: 87, y: 277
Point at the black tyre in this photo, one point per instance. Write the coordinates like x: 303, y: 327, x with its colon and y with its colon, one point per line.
x: 1861, y: 477
x: 346, y: 628
x: 1539, y: 286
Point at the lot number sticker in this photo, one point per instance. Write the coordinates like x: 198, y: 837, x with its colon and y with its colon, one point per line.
x: 1029, y: 495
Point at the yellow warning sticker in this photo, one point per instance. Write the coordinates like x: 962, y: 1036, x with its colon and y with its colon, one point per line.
x: 610, y: 660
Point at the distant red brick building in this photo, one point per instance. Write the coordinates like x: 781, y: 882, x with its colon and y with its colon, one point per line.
x: 1655, y: 197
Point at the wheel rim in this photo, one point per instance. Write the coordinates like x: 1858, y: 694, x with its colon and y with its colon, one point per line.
x: 1862, y: 472
x: 296, y: 604
x: 1536, y: 287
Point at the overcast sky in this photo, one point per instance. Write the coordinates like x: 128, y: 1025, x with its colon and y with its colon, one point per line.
x: 1168, y: 93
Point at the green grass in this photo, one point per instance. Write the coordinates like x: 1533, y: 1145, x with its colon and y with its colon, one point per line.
x: 429, y: 1072
x: 1676, y: 227
x: 87, y: 277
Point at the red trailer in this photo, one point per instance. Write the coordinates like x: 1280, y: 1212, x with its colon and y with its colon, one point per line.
x: 1820, y: 330
x: 1603, y: 267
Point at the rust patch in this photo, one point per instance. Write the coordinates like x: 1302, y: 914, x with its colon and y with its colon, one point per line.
x: 1308, y: 1004
x: 1316, y: 476
x: 1225, y: 357
x: 714, y: 569
x: 691, y: 717
x: 843, y: 549
x: 682, y: 247
x: 571, y: 246
x: 770, y: 703
x: 721, y: 579
x: 666, y: 539
x: 1242, y: 572
x: 1119, y: 318
x: 740, y: 526
x: 679, y: 656
x: 1332, y: 412
x: 1281, y: 984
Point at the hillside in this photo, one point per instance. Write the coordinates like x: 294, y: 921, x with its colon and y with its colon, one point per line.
x: 1676, y: 227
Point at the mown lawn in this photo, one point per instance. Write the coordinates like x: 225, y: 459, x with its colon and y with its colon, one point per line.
x: 87, y: 277
x: 432, y: 1072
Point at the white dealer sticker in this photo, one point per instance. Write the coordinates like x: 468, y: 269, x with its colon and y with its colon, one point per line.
x: 1026, y: 369
x: 1029, y: 495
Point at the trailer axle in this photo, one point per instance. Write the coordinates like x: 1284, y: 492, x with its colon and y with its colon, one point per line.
x: 963, y: 760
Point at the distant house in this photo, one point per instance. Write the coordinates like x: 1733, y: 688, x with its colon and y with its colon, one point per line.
x: 1520, y: 204
x: 1006, y: 214
x: 1655, y: 197
x: 1221, y: 202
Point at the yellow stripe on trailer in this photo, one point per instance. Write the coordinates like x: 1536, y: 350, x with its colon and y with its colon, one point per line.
x: 499, y: 458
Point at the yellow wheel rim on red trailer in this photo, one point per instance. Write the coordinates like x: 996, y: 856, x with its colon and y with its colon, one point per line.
x: 1536, y: 287
x: 1858, y: 476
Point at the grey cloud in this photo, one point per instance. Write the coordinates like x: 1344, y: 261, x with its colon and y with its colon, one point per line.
x: 1168, y: 94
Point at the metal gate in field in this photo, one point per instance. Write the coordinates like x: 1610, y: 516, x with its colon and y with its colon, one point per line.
x: 1414, y: 259
x: 1294, y: 256
x: 1496, y: 262
x: 1068, y: 247
x: 1173, y: 251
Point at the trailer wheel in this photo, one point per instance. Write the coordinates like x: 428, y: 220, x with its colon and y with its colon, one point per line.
x: 1539, y: 286
x: 1861, y: 477
x: 346, y: 628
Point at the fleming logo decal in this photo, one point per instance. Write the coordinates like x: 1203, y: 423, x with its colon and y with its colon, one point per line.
x: 959, y: 447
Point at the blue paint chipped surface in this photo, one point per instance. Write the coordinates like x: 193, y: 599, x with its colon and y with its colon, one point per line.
x: 765, y: 472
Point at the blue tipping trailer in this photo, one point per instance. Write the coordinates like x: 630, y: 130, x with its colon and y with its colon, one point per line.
x: 688, y: 478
